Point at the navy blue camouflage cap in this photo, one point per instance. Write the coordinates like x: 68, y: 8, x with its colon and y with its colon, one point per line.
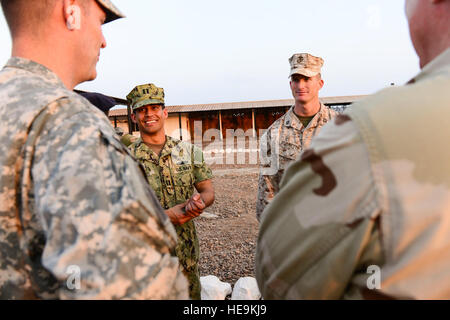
x: 112, y: 13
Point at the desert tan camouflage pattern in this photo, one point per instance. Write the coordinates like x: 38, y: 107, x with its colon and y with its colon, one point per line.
x: 305, y: 64
x: 144, y: 95
x: 280, y: 145
x: 173, y: 176
x: 112, y: 13
x: 72, y: 195
x: 373, y: 189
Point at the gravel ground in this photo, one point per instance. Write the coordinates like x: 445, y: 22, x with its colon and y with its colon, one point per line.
x: 228, y: 242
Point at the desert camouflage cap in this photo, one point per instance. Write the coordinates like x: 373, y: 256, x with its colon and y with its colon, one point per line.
x: 144, y: 95
x: 112, y: 13
x: 305, y: 64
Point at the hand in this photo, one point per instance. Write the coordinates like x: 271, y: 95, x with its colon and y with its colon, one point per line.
x: 195, y: 206
x: 176, y: 214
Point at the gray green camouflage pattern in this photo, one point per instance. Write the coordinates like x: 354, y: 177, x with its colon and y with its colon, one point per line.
x: 173, y: 176
x: 373, y: 190
x: 280, y: 145
x: 72, y: 195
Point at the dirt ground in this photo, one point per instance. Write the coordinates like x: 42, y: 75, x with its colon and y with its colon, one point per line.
x: 228, y: 241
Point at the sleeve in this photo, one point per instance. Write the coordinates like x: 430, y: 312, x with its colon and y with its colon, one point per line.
x: 320, y: 231
x: 201, y: 170
x: 268, y: 179
x: 105, y: 230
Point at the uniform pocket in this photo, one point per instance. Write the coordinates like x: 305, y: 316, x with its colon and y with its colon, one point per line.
x: 185, y: 178
x: 289, y: 151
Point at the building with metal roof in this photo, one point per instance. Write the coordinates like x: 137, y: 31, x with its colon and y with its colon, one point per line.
x: 189, y: 122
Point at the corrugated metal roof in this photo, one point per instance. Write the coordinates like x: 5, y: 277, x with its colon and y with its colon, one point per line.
x: 118, y: 112
x: 258, y: 104
x: 344, y: 100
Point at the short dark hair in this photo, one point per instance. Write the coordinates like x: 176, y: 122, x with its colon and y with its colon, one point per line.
x: 29, y: 14
x: 25, y: 13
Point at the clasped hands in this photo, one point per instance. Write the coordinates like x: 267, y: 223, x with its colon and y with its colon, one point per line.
x: 186, y: 211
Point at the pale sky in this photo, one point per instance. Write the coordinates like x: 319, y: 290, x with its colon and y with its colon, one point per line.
x: 210, y: 51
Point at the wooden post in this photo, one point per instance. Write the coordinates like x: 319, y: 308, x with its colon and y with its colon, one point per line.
x: 130, y: 130
x: 253, y: 123
x: 220, y: 125
x: 181, y: 127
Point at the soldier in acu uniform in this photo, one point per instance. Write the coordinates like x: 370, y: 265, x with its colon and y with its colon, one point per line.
x: 365, y: 212
x: 174, y: 169
x: 77, y: 217
x: 287, y: 137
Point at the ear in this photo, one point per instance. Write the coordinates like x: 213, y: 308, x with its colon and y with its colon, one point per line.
x: 72, y: 15
x: 321, y: 83
x: 165, y: 113
x: 133, y: 117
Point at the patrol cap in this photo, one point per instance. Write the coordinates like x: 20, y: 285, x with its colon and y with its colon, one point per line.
x: 144, y: 95
x: 112, y: 13
x: 305, y: 64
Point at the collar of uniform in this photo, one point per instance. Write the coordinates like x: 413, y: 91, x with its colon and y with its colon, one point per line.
x: 170, y: 144
x: 142, y: 151
x: 291, y: 120
x: 435, y: 66
x: 149, y: 154
x: 145, y: 153
x: 36, y: 68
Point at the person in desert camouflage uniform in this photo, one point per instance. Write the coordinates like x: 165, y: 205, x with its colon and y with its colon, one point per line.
x: 77, y: 217
x: 288, y: 136
x: 366, y: 212
x: 174, y: 169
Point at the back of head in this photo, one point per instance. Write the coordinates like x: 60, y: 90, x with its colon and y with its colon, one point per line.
x: 26, y: 15
x: 429, y: 27
x: 68, y: 29
x: 30, y: 15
